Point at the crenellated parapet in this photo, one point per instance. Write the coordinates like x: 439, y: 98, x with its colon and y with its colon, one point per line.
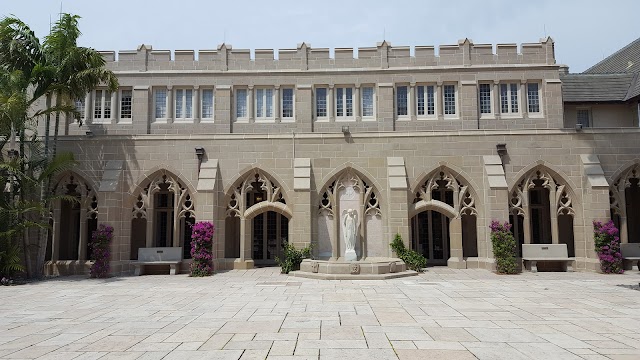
x: 304, y: 57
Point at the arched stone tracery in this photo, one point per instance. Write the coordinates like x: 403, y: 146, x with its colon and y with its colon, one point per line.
x: 624, y: 200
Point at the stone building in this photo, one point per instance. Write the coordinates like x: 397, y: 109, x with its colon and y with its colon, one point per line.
x: 431, y: 145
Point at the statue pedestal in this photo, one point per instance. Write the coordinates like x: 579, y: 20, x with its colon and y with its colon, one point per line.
x: 350, y: 255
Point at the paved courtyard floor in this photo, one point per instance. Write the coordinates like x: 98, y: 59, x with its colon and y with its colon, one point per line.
x: 258, y: 314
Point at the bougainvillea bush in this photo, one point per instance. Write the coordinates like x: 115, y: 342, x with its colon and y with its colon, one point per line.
x: 100, y: 248
x: 504, y: 247
x: 607, y: 244
x: 202, y: 248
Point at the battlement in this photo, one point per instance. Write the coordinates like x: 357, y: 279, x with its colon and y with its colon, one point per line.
x: 304, y: 57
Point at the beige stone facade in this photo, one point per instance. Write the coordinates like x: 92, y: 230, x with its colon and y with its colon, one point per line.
x: 406, y: 138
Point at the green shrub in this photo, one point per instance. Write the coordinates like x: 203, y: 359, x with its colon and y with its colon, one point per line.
x: 414, y: 260
x: 504, y: 248
x: 10, y: 258
x: 292, y: 258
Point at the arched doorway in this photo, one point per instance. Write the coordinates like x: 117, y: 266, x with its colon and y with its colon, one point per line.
x: 541, y: 211
x: 256, y: 222
x: 162, y: 215
x: 444, y: 221
x: 624, y: 197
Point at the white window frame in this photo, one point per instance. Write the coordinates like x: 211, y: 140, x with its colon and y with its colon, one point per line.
x: 326, y: 101
x: 344, y: 117
x: 245, y: 118
x: 510, y: 113
x: 83, y: 113
x: 538, y: 114
x: 162, y: 120
x: 102, y: 119
x: 455, y: 99
x: 427, y: 116
x: 584, y: 108
x: 123, y: 120
x: 293, y: 104
x: 407, y: 116
x: 373, y: 100
x: 184, y: 118
x: 264, y: 118
x: 213, y: 104
x: 490, y: 114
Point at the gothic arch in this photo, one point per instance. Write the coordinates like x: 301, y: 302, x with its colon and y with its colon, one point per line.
x: 434, y: 205
x: 236, y: 195
x: 624, y: 201
x: 152, y: 173
x: 242, y: 175
x: 350, y: 167
x: 552, y: 170
x: 465, y: 195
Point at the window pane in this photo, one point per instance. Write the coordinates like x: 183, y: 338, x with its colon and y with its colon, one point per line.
x: 367, y: 101
x: 161, y: 103
x: 431, y: 104
x: 178, y: 103
x: 349, y: 101
x: 97, y: 104
x: 321, y: 102
x: 259, y: 102
x: 401, y: 99
x: 514, y: 98
x: 583, y: 117
x: 339, y: 102
x: 449, y: 99
x: 420, y: 102
x: 125, y: 104
x: 80, y: 106
x: 504, y: 98
x: 107, y: 104
x: 207, y: 103
x: 533, y: 97
x: 268, y: 93
x: 241, y: 103
x: 287, y: 103
x: 485, y: 98
x: 188, y: 103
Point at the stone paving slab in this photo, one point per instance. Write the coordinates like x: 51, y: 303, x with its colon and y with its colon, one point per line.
x: 261, y: 314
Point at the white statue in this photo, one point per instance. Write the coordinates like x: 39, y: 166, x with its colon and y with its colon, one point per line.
x: 350, y: 223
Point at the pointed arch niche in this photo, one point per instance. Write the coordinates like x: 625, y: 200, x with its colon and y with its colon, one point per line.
x: 443, y: 218
x: 349, y: 190
x: 624, y: 198
x: 162, y: 214
x: 72, y: 222
x: 256, y: 220
x: 541, y: 210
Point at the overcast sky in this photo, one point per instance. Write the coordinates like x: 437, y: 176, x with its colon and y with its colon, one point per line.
x: 584, y: 31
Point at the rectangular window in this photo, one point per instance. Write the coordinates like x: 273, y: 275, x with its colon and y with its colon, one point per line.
x: 184, y: 103
x: 287, y: 103
x: 241, y: 103
x: 509, y: 98
x: 126, y: 97
x: 161, y: 103
x: 344, y: 102
x: 102, y: 105
x: 321, y: 102
x: 207, y: 104
x: 80, y: 107
x: 584, y: 117
x: 402, y: 105
x: 367, y: 101
x: 485, y: 98
x: 533, y: 97
x: 426, y: 100
x: 449, y: 99
x: 264, y: 103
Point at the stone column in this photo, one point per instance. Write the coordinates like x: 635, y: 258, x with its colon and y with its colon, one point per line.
x: 276, y: 103
x: 87, y: 107
x: 455, y: 244
x: 55, y: 235
x: 300, y: 227
x: 330, y: 102
x: 356, y: 102
x: 82, y: 244
x: 496, y: 208
x: 524, y: 99
x: 439, y: 101
x: 624, y: 231
x: 410, y: 101
x: 245, y: 261
x: 114, y: 107
x: 170, y: 113
x: 553, y: 209
x: 250, y: 111
x: 196, y: 104
x: 150, y: 220
x: 496, y: 99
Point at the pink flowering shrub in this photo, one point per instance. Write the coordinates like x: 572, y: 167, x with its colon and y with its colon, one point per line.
x: 100, y: 242
x: 607, y: 243
x: 202, y: 248
x: 504, y: 247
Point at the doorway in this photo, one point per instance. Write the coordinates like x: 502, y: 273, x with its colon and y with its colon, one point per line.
x: 270, y: 232
x: 430, y: 236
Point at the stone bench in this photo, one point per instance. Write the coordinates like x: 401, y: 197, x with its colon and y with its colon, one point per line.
x: 171, y: 256
x: 534, y: 253
x: 630, y: 255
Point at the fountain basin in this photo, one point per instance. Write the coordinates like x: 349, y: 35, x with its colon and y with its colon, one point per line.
x: 368, y: 269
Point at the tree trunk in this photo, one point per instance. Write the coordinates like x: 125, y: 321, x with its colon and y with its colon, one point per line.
x: 26, y: 240
x: 44, y: 189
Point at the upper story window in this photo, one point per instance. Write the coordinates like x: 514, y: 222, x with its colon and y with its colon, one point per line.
x: 533, y: 97
x: 402, y: 101
x: 184, y: 104
x: 206, y: 109
x: 509, y: 98
x: 264, y: 103
x: 449, y: 99
x: 80, y: 105
x: 584, y: 117
x: 344, y: 102
x: 321, y: 102
x: 126, y: 101
x: 102, y: 104
x: 485, y: 98
x: 426, y: 100
x: 160, y: 103
x: 241, y: 103
x: 368, y: 104
x: 287, y: 103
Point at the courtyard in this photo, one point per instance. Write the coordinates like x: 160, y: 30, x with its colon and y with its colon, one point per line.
x: 256, y: 314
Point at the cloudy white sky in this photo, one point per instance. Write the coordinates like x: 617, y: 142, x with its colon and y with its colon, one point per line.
x: 584, y: 30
